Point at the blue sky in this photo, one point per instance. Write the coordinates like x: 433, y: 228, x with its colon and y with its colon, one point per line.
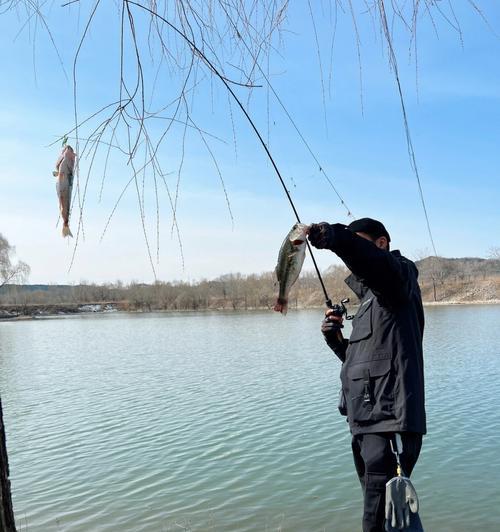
x: 452, y: 103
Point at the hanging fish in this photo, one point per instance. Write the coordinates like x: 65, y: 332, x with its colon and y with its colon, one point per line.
x: 65, y: 166
x: 290, y: 260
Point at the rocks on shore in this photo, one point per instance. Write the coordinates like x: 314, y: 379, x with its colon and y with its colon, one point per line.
x: 35, y: 311
x: 98, y: 308
x: 6, y: 314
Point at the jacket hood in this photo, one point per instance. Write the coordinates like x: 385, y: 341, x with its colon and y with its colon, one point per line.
x: 356, y: 285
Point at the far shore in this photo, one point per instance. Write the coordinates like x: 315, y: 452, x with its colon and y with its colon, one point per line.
x: 452, y: 302
x: 29, y: 312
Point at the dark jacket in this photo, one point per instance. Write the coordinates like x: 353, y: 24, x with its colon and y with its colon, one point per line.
x: 382, y: 374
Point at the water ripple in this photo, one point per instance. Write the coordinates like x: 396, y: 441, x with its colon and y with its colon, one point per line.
x: 228, y: 422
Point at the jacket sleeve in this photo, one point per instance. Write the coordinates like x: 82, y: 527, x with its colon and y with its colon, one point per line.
x: 388, y: 276
x: 339, y: 349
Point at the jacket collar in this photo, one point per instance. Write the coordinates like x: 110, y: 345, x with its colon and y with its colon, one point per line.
x: 356, y: 283
x: 357, y: 286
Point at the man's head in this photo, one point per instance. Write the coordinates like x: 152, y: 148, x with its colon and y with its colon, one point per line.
x: 372, y: 230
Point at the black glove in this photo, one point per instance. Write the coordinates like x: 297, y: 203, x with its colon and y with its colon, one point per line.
x: 336, y: 342
x: 330, y: 329
x: 327, y: 236
x: 321, y: 235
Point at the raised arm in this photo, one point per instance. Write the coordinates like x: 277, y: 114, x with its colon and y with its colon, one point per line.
x: 387, y: 274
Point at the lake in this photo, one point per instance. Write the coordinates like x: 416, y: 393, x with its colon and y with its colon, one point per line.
x: 229, y: 422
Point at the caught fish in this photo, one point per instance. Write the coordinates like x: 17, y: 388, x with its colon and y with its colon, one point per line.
x: 290, y: 260
x: 65, y: 166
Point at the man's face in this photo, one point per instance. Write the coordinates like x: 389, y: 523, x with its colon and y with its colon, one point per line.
x: 380, y: 242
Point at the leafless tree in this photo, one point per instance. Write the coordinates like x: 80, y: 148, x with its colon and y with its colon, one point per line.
x: 494, y: 252
x: 167, y: 50
x: 11, y: 271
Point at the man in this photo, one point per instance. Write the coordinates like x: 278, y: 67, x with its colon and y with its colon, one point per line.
x: 382, y: 364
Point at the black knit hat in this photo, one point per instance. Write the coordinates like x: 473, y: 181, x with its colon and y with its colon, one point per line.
x: 371, y: 227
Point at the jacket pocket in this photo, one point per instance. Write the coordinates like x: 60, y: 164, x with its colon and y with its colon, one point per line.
x: 371, y: 390
x: 362, y: 322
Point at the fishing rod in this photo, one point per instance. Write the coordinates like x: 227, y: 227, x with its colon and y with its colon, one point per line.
x: 292, y: 121
x: 198, y: 52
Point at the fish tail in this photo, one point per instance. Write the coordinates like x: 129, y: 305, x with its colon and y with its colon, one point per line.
x: 66, y: 231
x: 281, y: 305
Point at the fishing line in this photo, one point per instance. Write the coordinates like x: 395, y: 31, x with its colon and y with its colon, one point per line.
x: 411, y: 151
x: 294, y: 124
x: 254, y: 127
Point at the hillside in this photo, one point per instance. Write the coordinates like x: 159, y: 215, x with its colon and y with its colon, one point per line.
x: 459, y: 280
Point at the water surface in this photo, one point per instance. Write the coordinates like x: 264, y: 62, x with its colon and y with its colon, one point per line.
x: 228, y: 422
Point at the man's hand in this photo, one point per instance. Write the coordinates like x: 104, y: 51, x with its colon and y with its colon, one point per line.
x: 320, y: 235
x: 330, y: 327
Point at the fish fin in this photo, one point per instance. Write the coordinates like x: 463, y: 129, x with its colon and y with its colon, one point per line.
x: 281, y: 306
x: 66, y: 231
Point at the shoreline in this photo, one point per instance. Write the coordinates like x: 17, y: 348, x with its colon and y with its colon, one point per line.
x: 33, y: 312
x: 456, y: 302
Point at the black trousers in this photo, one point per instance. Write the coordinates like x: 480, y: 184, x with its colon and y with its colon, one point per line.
x: 376, y: 464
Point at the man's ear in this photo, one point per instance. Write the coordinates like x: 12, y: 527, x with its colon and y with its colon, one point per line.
x: 382, y: 242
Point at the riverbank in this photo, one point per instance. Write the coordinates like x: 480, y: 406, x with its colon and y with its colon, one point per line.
x: 27, y: 312
x: 23, y: 312
x: 442, y: 282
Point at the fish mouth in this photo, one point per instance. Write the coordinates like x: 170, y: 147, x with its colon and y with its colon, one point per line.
x: 297, y: 242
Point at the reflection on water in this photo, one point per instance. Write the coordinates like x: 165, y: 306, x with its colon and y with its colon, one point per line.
x: 228, y: 422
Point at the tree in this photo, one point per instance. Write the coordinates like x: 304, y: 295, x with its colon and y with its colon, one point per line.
x: 6, y: 511
x: 494, y: 252
x: 161, y: 54
x: 11, y: 271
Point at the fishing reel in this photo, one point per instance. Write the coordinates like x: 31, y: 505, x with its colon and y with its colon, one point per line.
x: 340, y: 310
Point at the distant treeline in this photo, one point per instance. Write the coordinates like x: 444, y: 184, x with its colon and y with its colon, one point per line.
x: 231, y: 291
x: 440, y: 280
